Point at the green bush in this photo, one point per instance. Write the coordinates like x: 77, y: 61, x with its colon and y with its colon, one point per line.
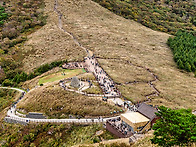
x: 96, y: 140
x: 46, y: 67
x: 15, y: 76
x: 183, y: 46
x: 3, y: 15
x: 7, y: 82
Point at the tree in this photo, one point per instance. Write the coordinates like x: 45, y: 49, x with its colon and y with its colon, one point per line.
x: 7, y: 82
x: 31, y: 76
x: 20, y: 78
x: 175, y: 127
x: 16, y: 77
x: 188, y: 67
x: 23, y: 77
x: 180, y: 64
x: 184, y: 49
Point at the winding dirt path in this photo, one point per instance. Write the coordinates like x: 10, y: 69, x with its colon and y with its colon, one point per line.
x: 150, y: 82
x: 60, y: 25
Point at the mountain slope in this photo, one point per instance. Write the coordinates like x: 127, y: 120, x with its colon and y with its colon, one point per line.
x: 49, y: 43
x: 114, y: 38
x: 163, y: 15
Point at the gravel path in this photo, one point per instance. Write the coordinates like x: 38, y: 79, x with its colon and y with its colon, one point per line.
x: 17, y: 89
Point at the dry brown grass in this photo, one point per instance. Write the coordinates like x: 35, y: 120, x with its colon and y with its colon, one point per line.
x: 111, y: 36
x: 123, y: 142
x: 95, y: 89
x: 144, y: 143
x: 129, y: 73
x: 49, y: 44
x: 135, y: 92
x: 87, y: 76
x: 58, y: 103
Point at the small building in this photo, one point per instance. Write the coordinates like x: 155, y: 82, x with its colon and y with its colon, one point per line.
x: 35, y: 115
x: 130, y: 123
x: 136, y: 120
x: 148, y: 112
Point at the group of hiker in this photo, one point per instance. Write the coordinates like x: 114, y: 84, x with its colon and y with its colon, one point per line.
x: 105, y: 82
x: 73, y: 65
x: 121, y: 127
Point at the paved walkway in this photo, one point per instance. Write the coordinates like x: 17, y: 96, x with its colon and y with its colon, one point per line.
x: 105, y: 82
x: 17, y: 89
x: 64, y: 86
x: 85, y: 121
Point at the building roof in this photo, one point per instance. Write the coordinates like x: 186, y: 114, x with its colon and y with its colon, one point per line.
x: 133, y: 117
x: 147, y: 111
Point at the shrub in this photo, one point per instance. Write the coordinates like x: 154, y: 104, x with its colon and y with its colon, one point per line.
x: 183, y: 46
x: 7, y: 82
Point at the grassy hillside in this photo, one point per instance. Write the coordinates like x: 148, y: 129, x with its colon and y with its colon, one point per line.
x: 125, y: 49
x: 18, y: 50
x: 49, y: 43
x: 132, y: 54
x: 17, y: 20
x: 51, y: 135
x: 7, y: 97
x: 120, y: 42
x: 163, y: 15
x: 58, y: 103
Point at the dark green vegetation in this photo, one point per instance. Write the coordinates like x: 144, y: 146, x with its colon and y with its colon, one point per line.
x: 17, y: 20
x: 6, y: 98
x: 183, y: 46
x: 14, y: 76
x: 175, y: 127
x: 3, y: 15
x: 50, y: 135
x: 163, y: 15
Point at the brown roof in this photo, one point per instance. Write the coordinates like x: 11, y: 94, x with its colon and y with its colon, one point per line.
x: 147, y: 111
